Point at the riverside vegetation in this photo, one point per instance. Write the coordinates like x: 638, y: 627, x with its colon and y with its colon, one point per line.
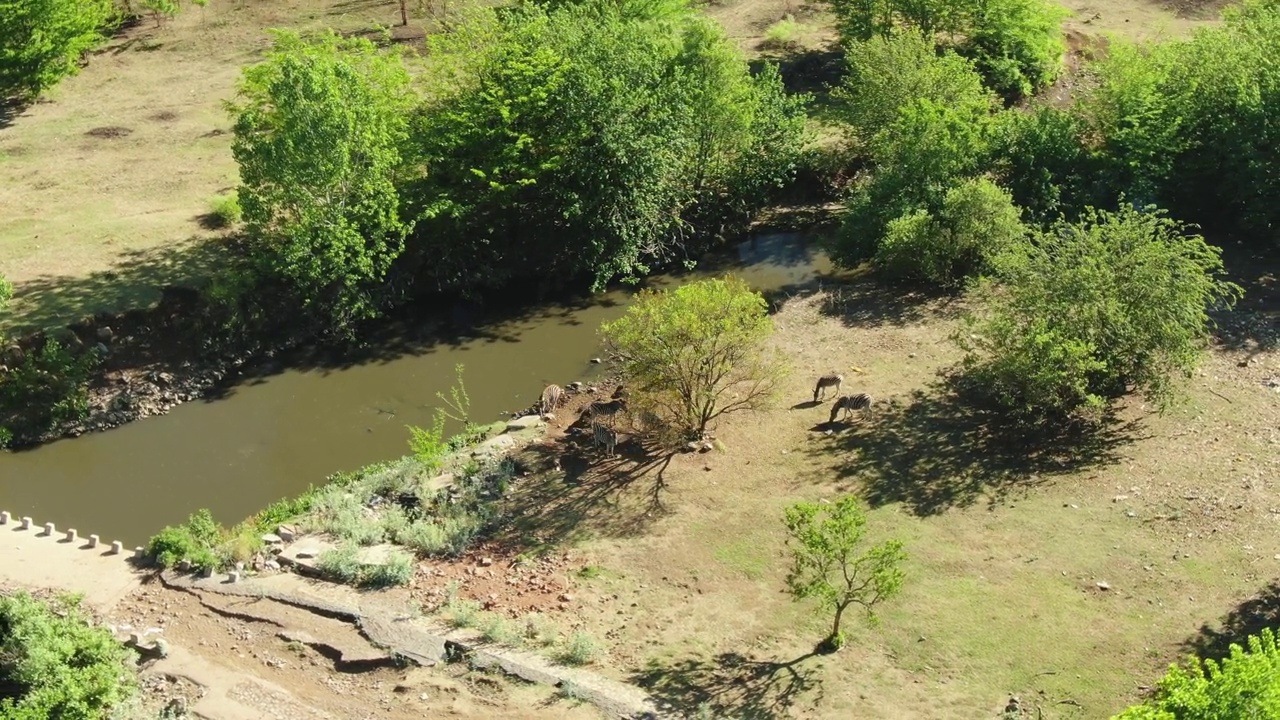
x: 626, y: 136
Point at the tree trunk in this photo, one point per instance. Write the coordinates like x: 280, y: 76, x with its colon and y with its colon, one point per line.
x: 835, y: 627
x: 404, y: 13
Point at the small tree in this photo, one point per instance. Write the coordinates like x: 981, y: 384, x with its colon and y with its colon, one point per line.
x: 827, y: 564
x: 1093, y: 308
x: 697, y: 352
x: 1244, y: 685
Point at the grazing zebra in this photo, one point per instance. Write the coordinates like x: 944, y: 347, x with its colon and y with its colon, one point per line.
x: 610, y: 410
x: 849, y: 403
x: 830, y: 380
x: 551, y: 399
x: 602, y: 436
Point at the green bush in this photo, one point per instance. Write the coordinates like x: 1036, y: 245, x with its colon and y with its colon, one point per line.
x: 55, y: 664
x: 539, y: 630
x: 579, y: 649
x: 977, y: 223
x: 50, y: 387
x: 1093, y: 308
x: 496, y: 629
x: 1043, y: 156
x: 341, y: 564
x: 440, y: 536
x: 1016, y: 44
x: 462, y: 613
x: 396, y: 570
x: 224, y: 211
x: 783, y: 35
x: 43, y: 41
x: 1244, y: 685
x: 198, y: 540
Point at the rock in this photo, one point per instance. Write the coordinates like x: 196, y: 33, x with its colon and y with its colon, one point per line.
x: 105, y: 334
x: 1119, y: 498
x: 486, y: 562
x: 272, y: 539
x: 524, y: 423
x: 596, y: 361
x: 13, y: 355
x: 1103, y: 585
x: 574, y: 386
x: 307, y: 553
x: 287, y: 533
x: 271, y: 565
x: 566, y: 598
x: 102, y: 349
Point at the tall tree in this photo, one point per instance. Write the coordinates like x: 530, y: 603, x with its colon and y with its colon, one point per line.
x: 319, y: 134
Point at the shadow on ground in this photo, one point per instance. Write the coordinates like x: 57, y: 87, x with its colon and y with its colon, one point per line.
x: 733, y: 685
x: 573, y: 493
x: 135, y: 281
x: 1248, y: 618
x: 939, y: 449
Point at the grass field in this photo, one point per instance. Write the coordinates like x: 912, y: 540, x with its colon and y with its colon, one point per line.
x: 107, y: 182
x: 1067, y: 578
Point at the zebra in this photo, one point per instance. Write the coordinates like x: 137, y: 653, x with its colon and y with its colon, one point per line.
x: 834, y: 380
x: 550, y: 399
x: 602, y: 436
x: 600, y: 409
x: 849, y: 403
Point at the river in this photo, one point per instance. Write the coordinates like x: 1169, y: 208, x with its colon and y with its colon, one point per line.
x: 271, y: 436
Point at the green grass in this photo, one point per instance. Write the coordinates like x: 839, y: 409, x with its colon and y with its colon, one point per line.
x: 783, y: 35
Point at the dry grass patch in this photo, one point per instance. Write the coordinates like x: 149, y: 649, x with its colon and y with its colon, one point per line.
x: 1066, y: 576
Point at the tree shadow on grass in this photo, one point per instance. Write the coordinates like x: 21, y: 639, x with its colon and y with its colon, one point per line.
x: 1248, y: 618
x: 732, y: 685
x: 941, y: 448
x: 572, y: 493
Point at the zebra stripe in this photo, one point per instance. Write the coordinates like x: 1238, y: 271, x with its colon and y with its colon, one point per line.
x: 849, y: 403
x: 830, y: 380
x: 602, y: 436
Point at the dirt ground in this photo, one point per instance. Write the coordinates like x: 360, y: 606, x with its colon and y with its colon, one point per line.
x: 1066, y: 579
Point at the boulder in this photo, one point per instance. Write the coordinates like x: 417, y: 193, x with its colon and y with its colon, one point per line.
x: 524, y: 423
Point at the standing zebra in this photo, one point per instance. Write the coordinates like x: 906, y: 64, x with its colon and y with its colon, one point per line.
x: 600, y: 409
x: 550, y: 399
x: 603, y: 436
x: 849, y: 403
x: 830, y: 380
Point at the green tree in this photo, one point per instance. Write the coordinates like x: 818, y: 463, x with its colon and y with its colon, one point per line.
x: 589, y: 140
x: 693, y: 354
x: 865, y: 19
x: 43, y: 41
x: 886, y: 73
x: 1093, y: 308
x: 319, y: 134
x: 976, y: 224
x: 1043, y: 156
x: 1016, y: 44
x: 55, y: 664
x: 1243, y: 686
x: 830, y: 566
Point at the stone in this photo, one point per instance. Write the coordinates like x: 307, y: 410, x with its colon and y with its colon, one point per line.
x: 271, y: 565
x: 71, y: 535
x: 233, y: 576
x: 524, y: 423
x: 1119, y: 498
x: 26, y: 524
x: 105, y: 333
x: 93, y: 541
x: 116, y: 547
x: 5, y: 517
x: 287, y: 533
x: 575, y: 386
x: 566, y: 598
x: 486, y: 562
x: 49, y: 529
x: 596, y: 361
x: 1103, y: 585
x: 206, y: 571
x: 272, y: 539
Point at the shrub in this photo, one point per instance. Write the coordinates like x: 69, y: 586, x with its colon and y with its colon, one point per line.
x: 462, y: 613
x: 977, y: 223
x: 496, y: 629
x: 55, y: 664
x: 1042, y: 156
x: 224, y: 211
x: 50, y: 387
x: 579, y: 649
x: 1092, y: 308
x: 1016, y: 44
x: 43, y: 41
x: 196, y: 540
x: 396, y: 570
x: 339, y: 512
x: 341, y: 563
x: 539, y: 630
x: 783, y: 35
x: 696, y: 353
x: 1244, y: 685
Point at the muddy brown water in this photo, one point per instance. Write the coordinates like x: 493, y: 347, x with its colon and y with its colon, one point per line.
x: 272, y: 436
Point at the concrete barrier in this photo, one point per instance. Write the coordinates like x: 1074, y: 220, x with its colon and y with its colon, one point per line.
x: 71, y: 536
x: 49, y: 529
x: 116, y: 547
x: 26, y: 524
x: 93, y: 541
x: 5, y: 517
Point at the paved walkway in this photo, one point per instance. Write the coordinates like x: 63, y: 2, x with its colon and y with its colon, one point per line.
x: 32, y: 558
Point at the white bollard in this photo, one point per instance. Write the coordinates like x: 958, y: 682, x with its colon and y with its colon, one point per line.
x: 26, y: 523
x: 139, y: 553
x: 49, y: 529
x: 93, y: 541
x: 71, y: 535
x: 5, y: 518
x: 116, y: 547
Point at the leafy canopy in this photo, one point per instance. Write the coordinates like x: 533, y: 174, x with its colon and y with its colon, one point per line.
x: 590, y: 140
x: 42, y: 41
x: 318, y: 136
x: 59, y: 665
x: 1092, y: 308
x: 692, y: 354
x: 1244, y: 685
x: 829, y: 564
